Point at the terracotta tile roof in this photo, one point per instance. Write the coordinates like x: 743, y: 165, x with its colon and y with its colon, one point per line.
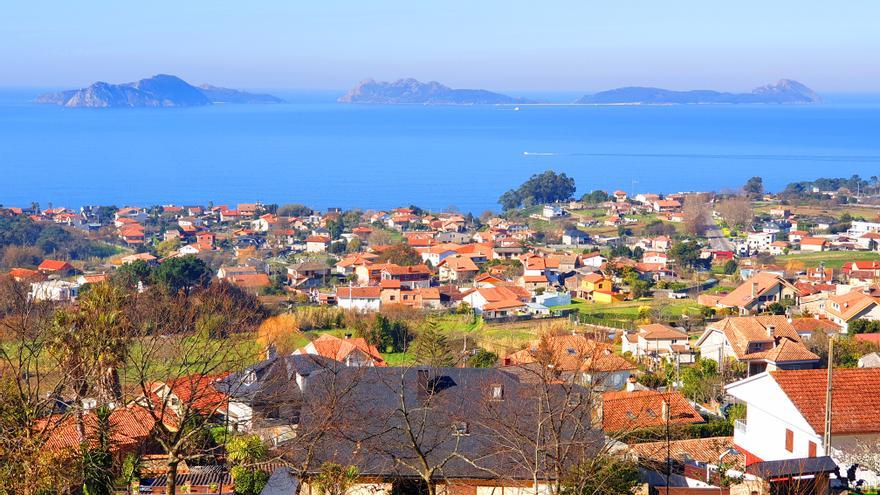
x: 318, y: 238
x: 784, y: 345
x: 658, y: 331
x: 627, y: 411
x: 573, y: 353
x: 706, y: 450
x: 803, y: 325
x: 813, y: 241
x: 54, y: 266
x: 250, y: 280
x: 389, y: 284
x: 197, y: 391
x: 398, y: 270
x: 459, y: 263
x: 849, y: 305
x: 742, y: 295
x: 873, y: 338
x: 503, y: 304
x: 333, y: 347
x: 20, y: 274
x: 358, y: 292
x: 851, y: 409
x: 130, y: 426
x: 429, y: 293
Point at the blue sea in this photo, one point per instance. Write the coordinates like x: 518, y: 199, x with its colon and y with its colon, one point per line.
x: 320, y: 153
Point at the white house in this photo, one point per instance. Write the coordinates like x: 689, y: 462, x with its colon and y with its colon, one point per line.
x: 54, y: 290
x: 359, y: 298
x: 759, y: 241
x: 552, y: 211
x: 785, y: 416
x: 659, y: 341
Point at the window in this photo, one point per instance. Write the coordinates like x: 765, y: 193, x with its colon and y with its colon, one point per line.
x: 497, y: 392
x: 789, y: 440
x: 811, y: 449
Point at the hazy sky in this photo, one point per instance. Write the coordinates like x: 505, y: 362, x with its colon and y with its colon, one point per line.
x: 580, y: 45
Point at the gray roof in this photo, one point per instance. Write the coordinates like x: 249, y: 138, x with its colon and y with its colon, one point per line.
x: 281, y: 482
x: 359, y: 416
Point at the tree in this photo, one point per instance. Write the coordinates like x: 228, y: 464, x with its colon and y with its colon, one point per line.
x: 595, y: 197
x: 182, y: 273
x: 97, y: 461
x: 547, y: 187
x: 335, y: 479
x: 293, y: 210
x: 431, y: 347
x: 131, y: 274
x: 603, y: 475
x: 730, y: 267
x: 696, y: 214
x: 400, y: 254
x: 702, y: 383
x: 167, y: 247
x: 736, y: 211
x: 280, y: 333
x: 244, y: 452
x: 687, y: 254
x: 483, y: 359
x: 21, y: 257
x: 754, y: 186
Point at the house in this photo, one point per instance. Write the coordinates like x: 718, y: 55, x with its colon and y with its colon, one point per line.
x: 409, y: 276
x: 786, y: 414
x: 574, y: 237
x: 55, y: 267
x: 659, y: 341
x: 512, y: 297
x: 759, y: 242
x: 457, y: 268
x: 577, y: 359
x: 464, y: 414
x: 145, y: 257
x: 588, y: 285
x: 854, y: 305
x: 251, y: 282
x: 348, y: 264
x: 350, y: 351
x: 308, y: 274
x: 778, y: 247
x: 764, y: 343
x: 317, y: 243
x: 813, y: 244
x: 759, y: 291
x: 26, y: 275
x: 231, y: 271
x: 54, y: 290
x: 593, y: 260
x: 359, y: 298
x: 552, y: 211
x: 632, y: 410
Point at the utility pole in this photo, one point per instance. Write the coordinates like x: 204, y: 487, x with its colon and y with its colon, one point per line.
x: 828, y: 391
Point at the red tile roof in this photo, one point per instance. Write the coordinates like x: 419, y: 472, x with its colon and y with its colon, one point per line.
x: 627, y: 411
x: 852, y: 410
x: 333, y: 347
x: 54, y: 266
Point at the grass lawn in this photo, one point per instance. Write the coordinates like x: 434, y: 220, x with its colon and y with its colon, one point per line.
x: 832, y: 259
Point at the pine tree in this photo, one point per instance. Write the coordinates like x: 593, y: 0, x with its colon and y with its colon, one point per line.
x: 431, y: 348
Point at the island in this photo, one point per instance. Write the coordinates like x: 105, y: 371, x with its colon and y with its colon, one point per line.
x: 786, y: 91
x: 412, y: 91
x: 159, y: 91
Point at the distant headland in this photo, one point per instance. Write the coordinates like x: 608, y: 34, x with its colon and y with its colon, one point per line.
x: 412, y: 91
x: 159, y: 91
x: 784, y: 91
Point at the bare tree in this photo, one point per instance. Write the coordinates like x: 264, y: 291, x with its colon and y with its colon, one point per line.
x: 696, y: 214
x: 32, y: 382
x: 737, y: 211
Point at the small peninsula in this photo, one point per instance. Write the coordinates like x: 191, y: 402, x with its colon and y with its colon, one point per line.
x: 412, y: 91
x: 159, y: 91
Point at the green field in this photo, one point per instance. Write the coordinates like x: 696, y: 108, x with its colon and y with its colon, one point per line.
x: 832, y: 259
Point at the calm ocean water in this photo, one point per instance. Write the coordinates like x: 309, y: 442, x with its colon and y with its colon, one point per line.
x: 316, y: 152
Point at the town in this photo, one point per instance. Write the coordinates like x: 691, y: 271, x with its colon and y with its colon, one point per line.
x: 611, y: 343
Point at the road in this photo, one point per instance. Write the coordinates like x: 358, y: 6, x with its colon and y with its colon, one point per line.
x: 717, y: 241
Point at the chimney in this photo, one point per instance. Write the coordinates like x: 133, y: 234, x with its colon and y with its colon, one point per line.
x: 631, y: 384
x: 771, y: 329
x: 271, y: 352
x: 665, y: 410
x: 754, y: 289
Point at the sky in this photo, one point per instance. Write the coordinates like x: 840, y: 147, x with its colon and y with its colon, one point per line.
x: 511, y: 45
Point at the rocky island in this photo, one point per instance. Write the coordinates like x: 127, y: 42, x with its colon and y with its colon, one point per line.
x: 784, y: 91
x: 411, y: 91
x: 158, y: 91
